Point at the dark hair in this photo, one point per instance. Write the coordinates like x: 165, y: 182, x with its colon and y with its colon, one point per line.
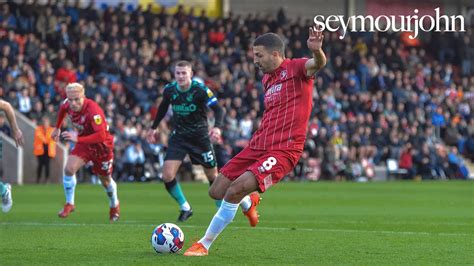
x: 271, y: 42
x: 184, y: 63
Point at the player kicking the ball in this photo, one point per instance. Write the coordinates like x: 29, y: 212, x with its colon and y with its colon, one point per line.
x: 277, y: 145
x: 93, y: 142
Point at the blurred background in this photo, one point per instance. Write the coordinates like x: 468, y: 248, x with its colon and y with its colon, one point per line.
x: 385, y: 106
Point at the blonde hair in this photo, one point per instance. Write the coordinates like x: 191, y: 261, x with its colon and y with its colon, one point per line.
x: 75, y: 86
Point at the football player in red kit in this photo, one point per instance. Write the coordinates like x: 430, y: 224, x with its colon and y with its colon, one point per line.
x: 277, y: 145
x: 92, y: 142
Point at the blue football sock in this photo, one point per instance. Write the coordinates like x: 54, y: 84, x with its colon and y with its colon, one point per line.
x: 3, y: 188
x: 174, y: 189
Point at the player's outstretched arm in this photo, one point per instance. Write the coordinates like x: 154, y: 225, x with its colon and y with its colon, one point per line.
x: 17, y: 134
x: 315, y: 43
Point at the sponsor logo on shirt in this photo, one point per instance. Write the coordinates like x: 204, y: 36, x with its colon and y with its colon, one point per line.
x: 184, y: 109
x: 97, y: 119
x: 273, y: 89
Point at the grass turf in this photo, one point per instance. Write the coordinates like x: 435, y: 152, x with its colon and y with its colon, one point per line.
x: 300, y: 223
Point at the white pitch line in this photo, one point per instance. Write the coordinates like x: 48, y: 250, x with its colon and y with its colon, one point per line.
x: 402, y: 222
x: 247, y: 228
x: 316, y: 222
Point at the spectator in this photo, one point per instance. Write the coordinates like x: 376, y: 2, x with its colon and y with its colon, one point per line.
x: 44, y: 148
x: 37, y: 112
x: 425, y: 161
x: 134, y: 161
x: 46, y: 24
x: 246, y: 127
x: 457, y: 164
x: 406, y: 161
x: 404, y: 92
x: 24, y: 102
x: 64, y: 76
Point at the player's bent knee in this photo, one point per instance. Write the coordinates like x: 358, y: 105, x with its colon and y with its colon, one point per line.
x: 234, y: 194
x: 69, y: 170
x: 105, y: 180
x: 168, y: 175
x: 167, y: 178
x: 211, y: 174
x: 215, y: 194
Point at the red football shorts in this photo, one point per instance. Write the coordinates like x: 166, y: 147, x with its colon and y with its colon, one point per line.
x: 100, y: 155
x: 269, y: 167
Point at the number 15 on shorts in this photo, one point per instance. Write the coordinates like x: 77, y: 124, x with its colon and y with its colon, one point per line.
x: 208, y: 156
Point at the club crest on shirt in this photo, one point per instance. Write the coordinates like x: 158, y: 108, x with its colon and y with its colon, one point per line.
x: 283, y: 74
x: 97, y: 119
x: 190, y: 97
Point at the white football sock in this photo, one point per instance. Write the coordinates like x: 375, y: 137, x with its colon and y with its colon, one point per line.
x: 111, y: 191
x: 221, y: 219
x: 69, y: 183
x: 185, y: 206
x: 246, y: 203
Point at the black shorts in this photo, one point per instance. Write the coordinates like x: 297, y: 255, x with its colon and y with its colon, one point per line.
x: 199, y: 149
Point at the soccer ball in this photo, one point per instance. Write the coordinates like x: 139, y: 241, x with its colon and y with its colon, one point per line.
x: 167, y: 238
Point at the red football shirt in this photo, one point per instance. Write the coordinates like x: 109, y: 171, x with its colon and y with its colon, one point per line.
x: 89, y: 120
x: 288, y: 104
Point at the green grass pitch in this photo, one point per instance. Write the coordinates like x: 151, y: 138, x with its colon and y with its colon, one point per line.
x: 300, y: 223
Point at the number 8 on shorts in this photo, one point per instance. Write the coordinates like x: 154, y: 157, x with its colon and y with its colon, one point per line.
x: 269, y: 163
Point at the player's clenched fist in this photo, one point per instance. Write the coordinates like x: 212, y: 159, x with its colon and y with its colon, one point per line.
x: 215, y: 135
x: 55, y: 134
x: 70, y: 136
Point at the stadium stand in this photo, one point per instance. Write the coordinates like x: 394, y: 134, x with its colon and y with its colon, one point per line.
x: 379, y: 99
